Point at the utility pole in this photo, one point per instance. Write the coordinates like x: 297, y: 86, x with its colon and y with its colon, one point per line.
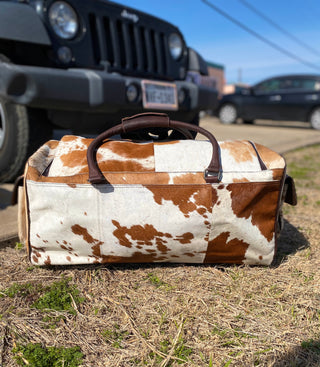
x: 240, y: 75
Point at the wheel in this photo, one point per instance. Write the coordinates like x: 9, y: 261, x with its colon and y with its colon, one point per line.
x: 228, y: 114
x: 14, y: 133
x: 315, y: 118
x: 22, y: 131
x: 248, y: 122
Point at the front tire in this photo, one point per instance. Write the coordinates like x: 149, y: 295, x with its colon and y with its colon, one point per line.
x: 228, y: 114
x: 315, y: 118
x: 22, y: 131
x: 14, y: 134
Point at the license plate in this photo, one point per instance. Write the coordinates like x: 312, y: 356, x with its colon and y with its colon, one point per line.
x: 158, y: 95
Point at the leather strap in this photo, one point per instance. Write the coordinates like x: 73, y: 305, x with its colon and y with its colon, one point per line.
x: 262, y: 164
x: 144, y: 118
x: 151, y: 120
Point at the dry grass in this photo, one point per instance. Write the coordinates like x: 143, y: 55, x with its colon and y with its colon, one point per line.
x: 170, y: 315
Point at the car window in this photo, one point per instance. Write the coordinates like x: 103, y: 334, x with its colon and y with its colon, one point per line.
x: 268, y: 86
x: 289, y: 83
x: 310, y: 84
x: 300, y: 83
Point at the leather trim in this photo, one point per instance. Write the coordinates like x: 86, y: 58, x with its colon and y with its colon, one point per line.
x: 262, y: 165
x: 28, y: 215
x: 290, y: 196
x: 277, y: 222
x: 17, y: 183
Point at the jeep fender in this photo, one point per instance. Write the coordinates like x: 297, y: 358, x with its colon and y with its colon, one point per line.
x: 20, y: 22
x: 196, y: 62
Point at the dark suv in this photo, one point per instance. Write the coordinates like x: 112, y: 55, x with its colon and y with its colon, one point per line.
x: 83, y: 65
x: 290, y: 97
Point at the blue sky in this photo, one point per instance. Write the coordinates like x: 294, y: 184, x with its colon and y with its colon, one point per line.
x: 244, y: 57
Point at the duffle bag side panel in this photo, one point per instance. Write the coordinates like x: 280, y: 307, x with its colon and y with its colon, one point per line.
x: 119, y: 223
x: 233, y: 223
x: 243, y: 225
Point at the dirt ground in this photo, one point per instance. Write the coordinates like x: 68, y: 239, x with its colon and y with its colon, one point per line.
x: 170, y: 315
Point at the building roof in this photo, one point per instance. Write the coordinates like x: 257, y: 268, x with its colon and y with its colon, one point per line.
x: 215, y: 65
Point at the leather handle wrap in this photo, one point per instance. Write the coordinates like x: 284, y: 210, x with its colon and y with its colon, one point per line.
x: 145, y: 118
x: 212, y: 174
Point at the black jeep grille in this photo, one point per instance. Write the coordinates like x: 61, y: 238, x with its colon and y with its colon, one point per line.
x: 129, y: 48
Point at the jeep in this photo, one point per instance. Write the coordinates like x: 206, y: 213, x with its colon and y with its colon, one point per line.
x: 84, y: 65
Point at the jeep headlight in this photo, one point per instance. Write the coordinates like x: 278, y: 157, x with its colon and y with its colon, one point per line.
x: 175, y: 45
x: 63, y: 20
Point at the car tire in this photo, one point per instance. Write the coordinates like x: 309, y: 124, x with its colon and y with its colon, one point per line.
x: 228, y: 114
x: 315, y: 118
x: 21, y: 133
x: 14, y: 133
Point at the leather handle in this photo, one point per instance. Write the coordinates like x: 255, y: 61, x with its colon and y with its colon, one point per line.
x: 144, y: 118
x: 163, y: 118
x: 151, y: 120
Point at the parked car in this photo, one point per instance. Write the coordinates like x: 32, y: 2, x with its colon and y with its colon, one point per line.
x: 83, y: 65
x: 290, y: 97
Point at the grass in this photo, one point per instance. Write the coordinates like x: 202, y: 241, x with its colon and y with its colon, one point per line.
x: 179, y: 350
x: 157, y: 282
x: 304, y: 166
x: 35, y: 355
x: 311, y: 345
x: 115, y: 336
x: 18, y: 290
x: 173, y: 315
x: 59, y: 296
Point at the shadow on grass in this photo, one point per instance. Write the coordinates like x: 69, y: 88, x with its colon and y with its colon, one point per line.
x: 291, y: 240
x: 307, y: 354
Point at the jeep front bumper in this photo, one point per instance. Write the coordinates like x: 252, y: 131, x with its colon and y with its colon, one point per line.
x: 86, y: 90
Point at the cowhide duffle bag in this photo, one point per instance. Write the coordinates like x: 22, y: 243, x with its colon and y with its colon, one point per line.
x: 118, y: 201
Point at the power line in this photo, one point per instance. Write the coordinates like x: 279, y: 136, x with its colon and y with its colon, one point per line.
x: 261, y: 38
x: 277, y: 26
